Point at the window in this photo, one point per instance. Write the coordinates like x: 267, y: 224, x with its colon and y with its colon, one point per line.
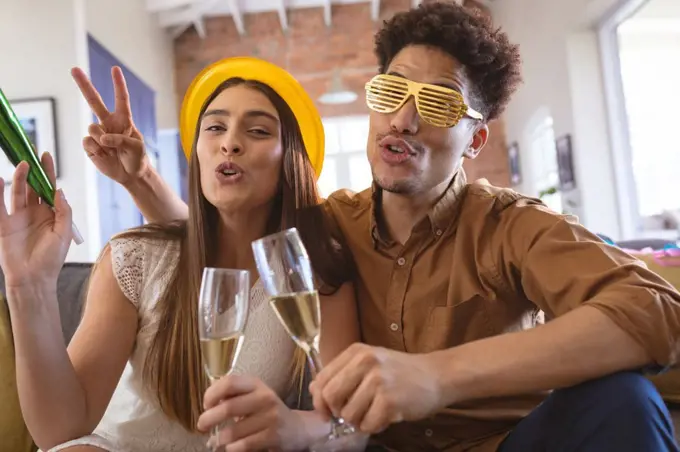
x: 544, y: 158
x: 345, y: 164
x: 649, y: 52
x: 640, y: 48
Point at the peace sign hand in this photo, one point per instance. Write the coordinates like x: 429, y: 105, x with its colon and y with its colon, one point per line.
x: 115, y: 146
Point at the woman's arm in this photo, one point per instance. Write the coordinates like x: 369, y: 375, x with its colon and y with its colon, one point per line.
x: 155, y: 198
x: 117, y: 149
x: 64, y: 393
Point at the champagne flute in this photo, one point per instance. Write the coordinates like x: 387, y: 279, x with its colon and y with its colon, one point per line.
x: 222, y: 315
x: 286, y: 273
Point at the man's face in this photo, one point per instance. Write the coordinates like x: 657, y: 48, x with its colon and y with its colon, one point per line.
x: 409, y: 156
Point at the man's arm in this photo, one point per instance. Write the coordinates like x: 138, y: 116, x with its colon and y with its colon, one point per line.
x: 610, y: 313
x: 581, y: 345
x: 155, y: 199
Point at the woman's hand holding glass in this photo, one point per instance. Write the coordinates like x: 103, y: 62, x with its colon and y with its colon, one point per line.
x: 264, y: 421
x: 222, y: 314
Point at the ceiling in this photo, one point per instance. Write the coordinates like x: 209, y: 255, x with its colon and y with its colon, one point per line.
x: 178, y: 15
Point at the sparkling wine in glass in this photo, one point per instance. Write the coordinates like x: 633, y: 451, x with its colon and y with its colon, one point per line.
x: 222, y: 315
x: 286, y: 273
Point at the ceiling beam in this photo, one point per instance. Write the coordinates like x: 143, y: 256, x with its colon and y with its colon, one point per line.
x: 199, y: 25
x: 375, y: 10
x: 177, y: 17
x: 177, y: 31
x: 237, y: 16
x: 156, y: 6
x: 327, y: 17
x: 283, y: 15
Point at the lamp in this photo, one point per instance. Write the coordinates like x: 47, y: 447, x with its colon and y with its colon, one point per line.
x: 338, y: 93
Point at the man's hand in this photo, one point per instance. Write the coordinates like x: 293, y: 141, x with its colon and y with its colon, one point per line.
x: 115, y: 146
x: 373, y: 387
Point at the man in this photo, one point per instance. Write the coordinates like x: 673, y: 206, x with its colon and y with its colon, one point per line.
x: 453, y: 279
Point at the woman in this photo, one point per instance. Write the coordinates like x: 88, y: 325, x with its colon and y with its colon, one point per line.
x: 136, y: 350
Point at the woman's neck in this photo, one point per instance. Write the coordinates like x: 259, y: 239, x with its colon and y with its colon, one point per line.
x: 235, y: 234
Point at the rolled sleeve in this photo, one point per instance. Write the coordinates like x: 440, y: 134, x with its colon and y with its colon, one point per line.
x: 560, y: 265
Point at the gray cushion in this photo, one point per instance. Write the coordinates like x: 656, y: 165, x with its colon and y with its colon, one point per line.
x: 71, y: 291
x: 639, y: 244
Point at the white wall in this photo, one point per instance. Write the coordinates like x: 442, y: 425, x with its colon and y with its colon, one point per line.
x: 130, y: 33
x: 41, y: 40
x: 561, y: 68
x: 38, y: 47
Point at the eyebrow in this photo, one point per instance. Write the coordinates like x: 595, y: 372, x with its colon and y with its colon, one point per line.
x: 443, y: 85
x: 248, y: 114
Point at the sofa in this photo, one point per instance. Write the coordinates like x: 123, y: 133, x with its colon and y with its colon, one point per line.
x: 72, y: 287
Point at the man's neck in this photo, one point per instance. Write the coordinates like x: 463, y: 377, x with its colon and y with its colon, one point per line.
x: 400, y: 213
x: 236, y: 233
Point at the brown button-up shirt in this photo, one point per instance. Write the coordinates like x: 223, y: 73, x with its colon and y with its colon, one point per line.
x: 487, y: 261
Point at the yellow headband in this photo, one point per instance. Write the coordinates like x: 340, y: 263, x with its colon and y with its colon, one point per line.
x: 279, y: 80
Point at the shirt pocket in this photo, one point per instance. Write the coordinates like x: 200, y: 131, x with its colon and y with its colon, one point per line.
x: 450, y: 326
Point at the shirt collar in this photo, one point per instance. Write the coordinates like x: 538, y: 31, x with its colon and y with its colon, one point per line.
x: 442, y: 213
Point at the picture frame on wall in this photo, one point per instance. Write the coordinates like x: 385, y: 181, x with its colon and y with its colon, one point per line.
x: 38, y: 118
x: 565, y: 163
x: 515, y: 168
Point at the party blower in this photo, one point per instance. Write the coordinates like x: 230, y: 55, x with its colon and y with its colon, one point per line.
x: 17, y: 147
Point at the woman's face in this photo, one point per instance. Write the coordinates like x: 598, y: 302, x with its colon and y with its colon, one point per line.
x: 239, y: 150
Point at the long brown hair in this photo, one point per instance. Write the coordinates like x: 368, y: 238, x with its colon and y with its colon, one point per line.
x: 174, y: 363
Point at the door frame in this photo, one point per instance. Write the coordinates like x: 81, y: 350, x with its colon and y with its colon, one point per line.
x: 95, y: 46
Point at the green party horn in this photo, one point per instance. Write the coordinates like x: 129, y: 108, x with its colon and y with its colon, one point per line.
x: 17, y: 147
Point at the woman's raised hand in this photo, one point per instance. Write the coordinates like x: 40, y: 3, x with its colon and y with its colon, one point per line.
x: 34, y: 239
x: 115, y: 146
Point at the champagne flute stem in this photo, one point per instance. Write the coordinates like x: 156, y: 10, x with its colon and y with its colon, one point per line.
x: 215, y: 431
x: 217, y: 446
x: 337, y: 425
x: 314, y: 361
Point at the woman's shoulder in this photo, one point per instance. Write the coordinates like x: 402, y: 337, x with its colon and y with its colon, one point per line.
x: 138, y: 255
x: 137, y: 247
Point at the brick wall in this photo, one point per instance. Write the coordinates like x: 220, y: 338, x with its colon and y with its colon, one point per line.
x: 312, y: 52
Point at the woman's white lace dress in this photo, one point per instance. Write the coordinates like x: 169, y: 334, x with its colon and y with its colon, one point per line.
x: 133, y: 420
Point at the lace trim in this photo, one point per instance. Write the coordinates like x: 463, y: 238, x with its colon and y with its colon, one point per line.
x: 127, y: 258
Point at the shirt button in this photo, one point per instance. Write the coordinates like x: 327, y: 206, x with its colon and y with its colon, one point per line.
x: 394, y: 327
x: 428, y: 432
x: 401, y: 261
x: 438, y: 232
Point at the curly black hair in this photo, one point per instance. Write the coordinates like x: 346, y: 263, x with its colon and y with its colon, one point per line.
x: 492, y: 63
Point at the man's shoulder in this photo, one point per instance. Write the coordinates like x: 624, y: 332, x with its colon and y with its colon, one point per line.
x: 497, y: 198
x: 349, y: 197
x: 511, y: 211
x: 348, y: 202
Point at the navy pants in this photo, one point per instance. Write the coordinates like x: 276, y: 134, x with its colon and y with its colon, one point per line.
x: 620, y: 413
